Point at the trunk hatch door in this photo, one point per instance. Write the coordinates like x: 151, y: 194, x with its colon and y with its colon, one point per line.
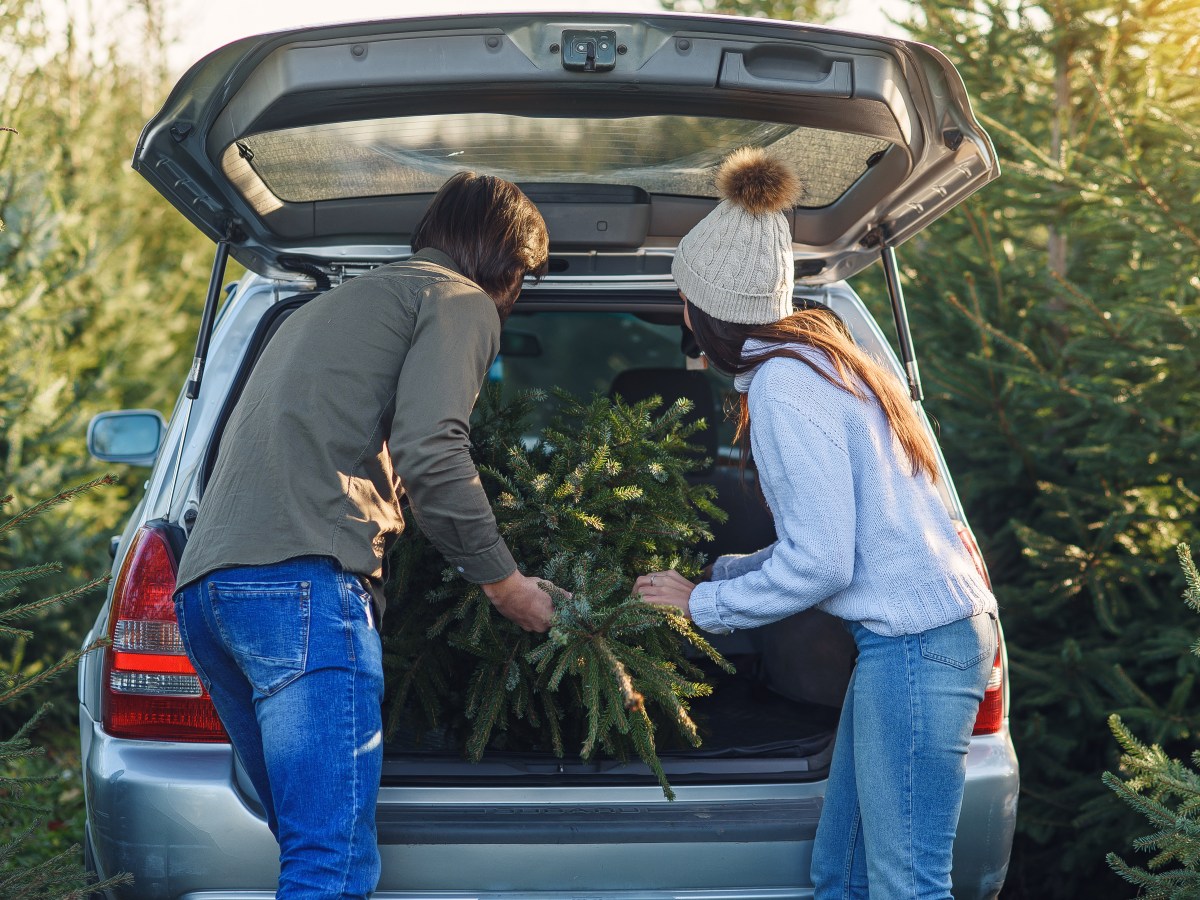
x: 326, y: 143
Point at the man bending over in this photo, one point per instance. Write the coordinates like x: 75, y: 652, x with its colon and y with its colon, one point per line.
x: 363, y: 396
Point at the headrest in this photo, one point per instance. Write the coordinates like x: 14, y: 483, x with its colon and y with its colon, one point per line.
x: 635, y: 385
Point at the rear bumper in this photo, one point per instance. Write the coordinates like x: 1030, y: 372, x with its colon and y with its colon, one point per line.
x: 171, y: 814
x: 167, y: 813
x: 988, y: 818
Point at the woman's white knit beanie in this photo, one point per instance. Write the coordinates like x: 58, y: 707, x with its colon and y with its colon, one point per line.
x: 737, y: 263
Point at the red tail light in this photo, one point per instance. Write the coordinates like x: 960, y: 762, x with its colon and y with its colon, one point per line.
x: 968, y: 539
x: 991, y: 711
x: 151, y: 691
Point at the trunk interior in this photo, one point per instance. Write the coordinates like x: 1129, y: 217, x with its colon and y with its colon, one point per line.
x: 773, y: 720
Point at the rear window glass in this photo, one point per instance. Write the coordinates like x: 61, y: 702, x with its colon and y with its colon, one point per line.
x: 584, y: 352
x: 661, y: 154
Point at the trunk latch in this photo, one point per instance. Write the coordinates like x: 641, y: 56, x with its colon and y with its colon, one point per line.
x: 589, y: 51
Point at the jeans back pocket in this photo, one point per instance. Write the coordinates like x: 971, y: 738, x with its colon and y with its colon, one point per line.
x: 962, y: 644
x: 264, y: 627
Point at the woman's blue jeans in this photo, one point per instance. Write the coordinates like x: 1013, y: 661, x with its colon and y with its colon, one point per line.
x: 896, y: 781
x: 292, y: 659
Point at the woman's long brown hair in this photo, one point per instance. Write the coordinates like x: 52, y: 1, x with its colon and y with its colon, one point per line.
x: 822, y: 330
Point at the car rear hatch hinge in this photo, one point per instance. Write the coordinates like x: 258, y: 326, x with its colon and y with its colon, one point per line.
x: 319, y: 274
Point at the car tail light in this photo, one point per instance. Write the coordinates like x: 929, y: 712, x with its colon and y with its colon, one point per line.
x: 151, y: 691
x: 968, y: 539
x: 991, y: 711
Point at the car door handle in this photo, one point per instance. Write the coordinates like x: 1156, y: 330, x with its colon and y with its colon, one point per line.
x: 738, y: 74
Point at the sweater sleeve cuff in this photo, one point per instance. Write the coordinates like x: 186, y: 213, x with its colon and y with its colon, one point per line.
x: 493, y: 564
x: 703, y: 608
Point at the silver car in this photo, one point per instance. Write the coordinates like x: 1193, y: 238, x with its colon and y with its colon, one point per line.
x: 308, y: 156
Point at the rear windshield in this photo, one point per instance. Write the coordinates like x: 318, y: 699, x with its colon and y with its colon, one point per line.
x: 661, y: 154
x: 584, y: 352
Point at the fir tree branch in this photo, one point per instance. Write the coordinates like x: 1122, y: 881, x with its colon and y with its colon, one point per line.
x: 61, y: 497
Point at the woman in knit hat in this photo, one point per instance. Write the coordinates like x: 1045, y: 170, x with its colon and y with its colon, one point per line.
x: 849, y: 472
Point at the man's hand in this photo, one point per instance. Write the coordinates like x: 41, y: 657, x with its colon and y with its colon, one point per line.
x: 666, y: 587
x: 520, y: 599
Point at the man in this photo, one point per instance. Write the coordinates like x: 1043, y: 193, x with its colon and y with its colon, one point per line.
x: 363, y: 395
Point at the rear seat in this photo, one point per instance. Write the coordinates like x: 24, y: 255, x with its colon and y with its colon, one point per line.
x: 749, y: 526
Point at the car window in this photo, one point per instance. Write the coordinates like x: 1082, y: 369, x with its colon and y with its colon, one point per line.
x: 662, y: 154
x: 583, y: 352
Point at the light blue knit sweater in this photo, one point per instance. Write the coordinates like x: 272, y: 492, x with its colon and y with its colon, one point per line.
x: 859, y: 535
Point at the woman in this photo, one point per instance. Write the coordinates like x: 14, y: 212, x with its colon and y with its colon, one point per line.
x: 850, y: 475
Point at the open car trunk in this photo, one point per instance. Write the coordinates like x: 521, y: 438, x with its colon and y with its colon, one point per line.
x: 775, y: 718
x: 300, y: 149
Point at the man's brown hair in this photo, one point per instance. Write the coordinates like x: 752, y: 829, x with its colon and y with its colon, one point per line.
x: 491, y: 230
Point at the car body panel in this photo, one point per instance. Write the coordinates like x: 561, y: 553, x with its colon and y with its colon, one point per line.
x: 171, y: 815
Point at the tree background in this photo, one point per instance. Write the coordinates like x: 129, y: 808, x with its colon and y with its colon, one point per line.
x: 101, y: 284
x: 1055, y: 313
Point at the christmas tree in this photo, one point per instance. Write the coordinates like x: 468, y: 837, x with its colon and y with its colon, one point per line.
x: 599, y: 498
x: 1167, y: 792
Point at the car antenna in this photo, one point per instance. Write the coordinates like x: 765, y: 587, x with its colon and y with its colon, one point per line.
x: 196, y: 375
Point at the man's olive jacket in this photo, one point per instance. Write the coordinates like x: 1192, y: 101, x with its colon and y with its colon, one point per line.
x: 362, y: 396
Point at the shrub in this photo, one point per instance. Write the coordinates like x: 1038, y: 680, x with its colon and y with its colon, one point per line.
x: 59, y: 874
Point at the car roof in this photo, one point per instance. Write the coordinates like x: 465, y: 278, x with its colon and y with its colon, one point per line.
x: 325, y: 142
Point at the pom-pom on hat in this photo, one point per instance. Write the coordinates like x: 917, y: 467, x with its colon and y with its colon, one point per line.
x: 737, y: 263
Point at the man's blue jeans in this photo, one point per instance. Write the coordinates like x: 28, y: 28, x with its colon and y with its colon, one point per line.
x: 292, y: 659
x: 896, y: 781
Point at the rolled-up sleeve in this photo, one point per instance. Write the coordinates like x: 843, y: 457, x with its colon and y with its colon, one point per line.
x: 809, y: 485
x: 455, y: 338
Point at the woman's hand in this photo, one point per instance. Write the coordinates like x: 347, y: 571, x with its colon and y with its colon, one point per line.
x: 665, y: 587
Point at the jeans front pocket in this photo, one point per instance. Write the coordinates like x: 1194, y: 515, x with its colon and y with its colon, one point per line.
x: 962, y: 644
x: 264, y: 627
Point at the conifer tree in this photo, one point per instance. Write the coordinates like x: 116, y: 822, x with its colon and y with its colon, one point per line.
x: 601, y: 497
x: 101, y: 282
x: 1164, y: 791
x: 61, y: 875
x: 1057, y: 317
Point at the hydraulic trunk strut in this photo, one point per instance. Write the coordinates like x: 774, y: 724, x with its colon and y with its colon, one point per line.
x: 196, y: 375
x: 206, y: 321
x: 891, y: 274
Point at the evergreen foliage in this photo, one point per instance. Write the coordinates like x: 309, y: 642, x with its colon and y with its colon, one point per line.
x: 60, y: 875
x: 1057, y: 317
x: 601, y: 497
x: 101, y: 281
x: 1166, y: 792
